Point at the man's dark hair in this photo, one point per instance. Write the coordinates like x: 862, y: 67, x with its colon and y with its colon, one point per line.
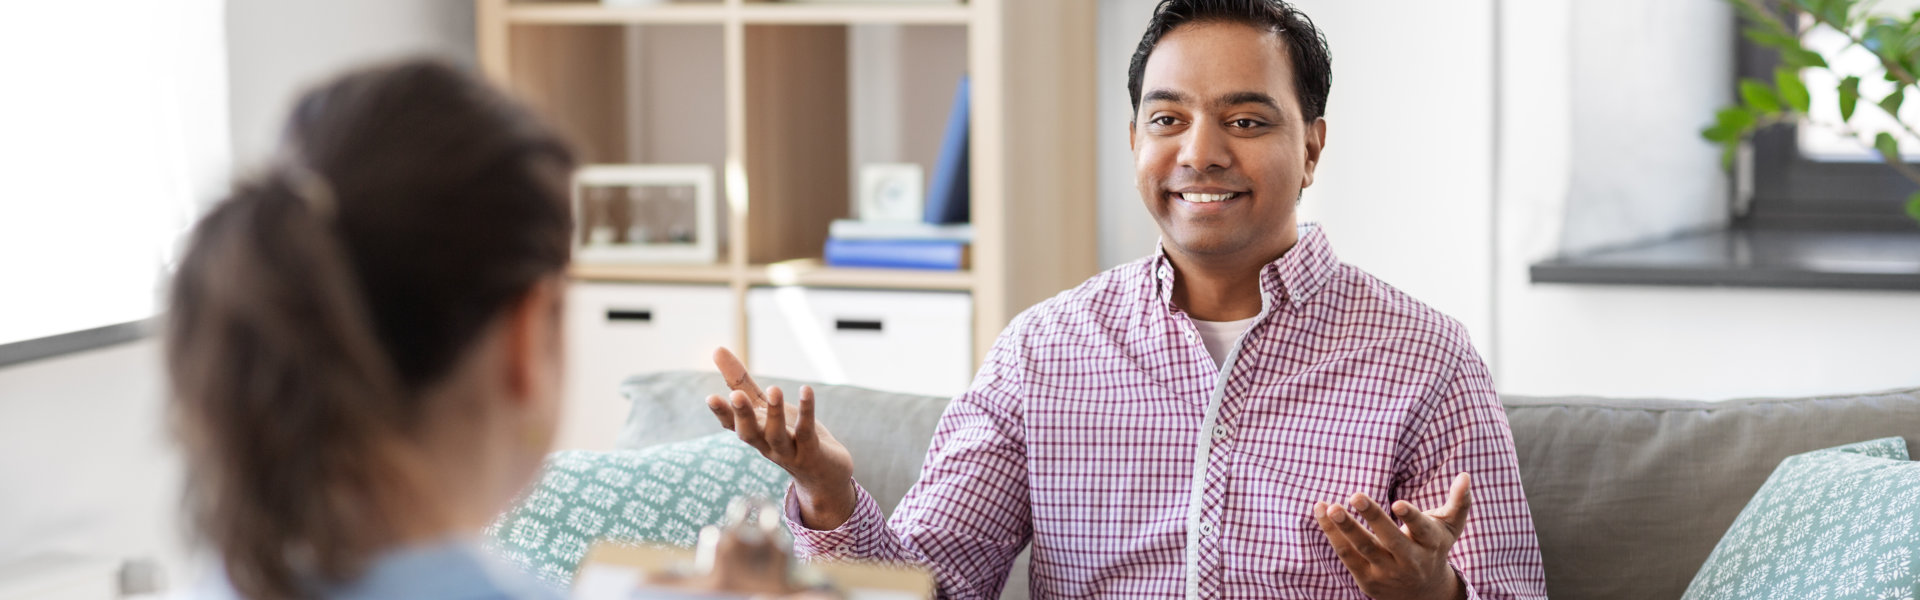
x: 1312, y: 64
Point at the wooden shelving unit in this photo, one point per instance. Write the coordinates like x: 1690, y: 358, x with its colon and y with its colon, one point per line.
x: 786, y: 121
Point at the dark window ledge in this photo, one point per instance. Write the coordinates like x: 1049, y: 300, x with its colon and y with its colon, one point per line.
x: 69, y: 343
x: 1753, y: 257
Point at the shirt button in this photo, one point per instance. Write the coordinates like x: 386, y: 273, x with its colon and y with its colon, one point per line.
x: 1206, y: 529
x: 1220, y: 433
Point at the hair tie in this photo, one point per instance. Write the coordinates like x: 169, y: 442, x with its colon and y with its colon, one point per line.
x: 312, y: 189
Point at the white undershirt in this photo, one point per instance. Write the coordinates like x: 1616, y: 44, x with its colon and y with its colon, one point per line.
x: 1220, y: 336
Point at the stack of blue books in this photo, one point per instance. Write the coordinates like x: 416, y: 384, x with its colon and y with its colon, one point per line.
x: 942, y: 239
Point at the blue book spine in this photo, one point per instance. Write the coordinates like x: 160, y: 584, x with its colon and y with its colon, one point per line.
x: 897, y: 254
x: 947, y: 196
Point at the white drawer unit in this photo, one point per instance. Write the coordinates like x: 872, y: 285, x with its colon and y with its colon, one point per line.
x: 917, y: 342
x: 617, y: 330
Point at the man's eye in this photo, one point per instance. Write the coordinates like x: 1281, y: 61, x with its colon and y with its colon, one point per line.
x: 1246, y: 123
x: 1162, y: 121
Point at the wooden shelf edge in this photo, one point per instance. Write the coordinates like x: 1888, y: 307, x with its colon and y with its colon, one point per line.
x: 813, y: 274
x: 652, y: 273
x: 850, y: 13
x: 590, y: 13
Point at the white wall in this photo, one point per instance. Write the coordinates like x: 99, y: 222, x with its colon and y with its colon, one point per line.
x: 280, y: 47
x: 1646, y: 341
x: 87, y: 467
x: 1414, y: 190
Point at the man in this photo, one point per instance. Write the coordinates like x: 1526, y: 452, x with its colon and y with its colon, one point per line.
x: 1215, y: 420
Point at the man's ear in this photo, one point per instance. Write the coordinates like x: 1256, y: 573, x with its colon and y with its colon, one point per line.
x: 1131, y: 145
x: 1316, y: 141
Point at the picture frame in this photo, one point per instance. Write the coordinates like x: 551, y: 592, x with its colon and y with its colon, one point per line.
x: 646, y: 214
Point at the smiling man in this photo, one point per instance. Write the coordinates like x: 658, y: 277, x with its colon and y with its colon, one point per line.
x: 1233, y: 416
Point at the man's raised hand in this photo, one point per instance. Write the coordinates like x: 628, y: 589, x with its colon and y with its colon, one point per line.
x: 789, y: 436
x: 1394, y: 562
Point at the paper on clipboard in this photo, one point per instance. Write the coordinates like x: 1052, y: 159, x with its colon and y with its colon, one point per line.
x: 614, y: 572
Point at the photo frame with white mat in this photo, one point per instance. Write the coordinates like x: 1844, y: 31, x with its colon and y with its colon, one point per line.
x: 646, y: 214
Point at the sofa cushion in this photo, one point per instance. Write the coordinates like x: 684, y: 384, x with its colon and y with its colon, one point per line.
x: 1630, y: 496
x: 658, y: 495
x: 1836, y: 523
x: 887, y: 433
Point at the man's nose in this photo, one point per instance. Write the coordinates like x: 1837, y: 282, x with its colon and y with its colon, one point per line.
x: 1205, y: 149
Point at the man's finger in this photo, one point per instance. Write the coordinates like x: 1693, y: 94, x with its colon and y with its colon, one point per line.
x: 1422, y: 527
x: 777, y: 435
x: 721, y: 410
x: 1389, y: 535
x: 1459, y: 501
x: 1342, y: 547
x: 1344, y: 523
x: 746, y: 422
x: 803, y: 432
x: 735, y: 372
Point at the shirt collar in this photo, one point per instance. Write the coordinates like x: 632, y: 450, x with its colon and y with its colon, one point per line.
x: 1297, y: 275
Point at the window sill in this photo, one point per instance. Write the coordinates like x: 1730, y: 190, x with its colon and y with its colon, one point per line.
x: 1745, y: 256
x: 69, y: 343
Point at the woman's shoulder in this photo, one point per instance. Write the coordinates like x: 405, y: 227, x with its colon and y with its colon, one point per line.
x: 450, y: 570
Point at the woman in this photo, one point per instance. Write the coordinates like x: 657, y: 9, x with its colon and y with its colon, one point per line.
x: 364, y: 341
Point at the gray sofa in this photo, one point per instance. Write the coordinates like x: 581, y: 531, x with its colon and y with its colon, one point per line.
x: 1629, y: 496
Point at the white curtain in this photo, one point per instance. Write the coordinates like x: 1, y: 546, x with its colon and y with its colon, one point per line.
x: 113, y: 133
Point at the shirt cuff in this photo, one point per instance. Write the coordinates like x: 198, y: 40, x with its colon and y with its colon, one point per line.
x: 841, y: 542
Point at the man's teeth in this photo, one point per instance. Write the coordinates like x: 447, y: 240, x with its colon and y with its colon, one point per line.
x: 1205, y: 198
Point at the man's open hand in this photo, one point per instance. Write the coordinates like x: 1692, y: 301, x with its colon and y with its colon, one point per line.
x: 1399, y: 562
x: 788, y: 435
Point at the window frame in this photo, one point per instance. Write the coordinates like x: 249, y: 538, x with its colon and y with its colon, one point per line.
x: 1791, y: 190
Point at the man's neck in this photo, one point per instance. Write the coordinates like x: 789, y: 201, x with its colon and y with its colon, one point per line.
x: 1220, y: 289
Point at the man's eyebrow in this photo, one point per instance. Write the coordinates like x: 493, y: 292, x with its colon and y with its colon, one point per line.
x: 1163, y: 94
x: 1239, y: 98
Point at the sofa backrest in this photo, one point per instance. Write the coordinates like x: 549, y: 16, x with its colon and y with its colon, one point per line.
x: 887, y: 433
x: 1630, y: 496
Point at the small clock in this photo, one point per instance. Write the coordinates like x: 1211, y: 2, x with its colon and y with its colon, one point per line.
x: 892, y: 193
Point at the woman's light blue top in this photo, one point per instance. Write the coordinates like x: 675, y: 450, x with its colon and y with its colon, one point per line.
x: 452, y: 570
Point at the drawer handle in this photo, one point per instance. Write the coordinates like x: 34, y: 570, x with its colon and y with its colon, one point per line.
x: 856, y: 325
x: 637, y: 316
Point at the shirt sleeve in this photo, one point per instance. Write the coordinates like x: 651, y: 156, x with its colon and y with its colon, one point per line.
x: 1465, y: 430
x: 968, y: 516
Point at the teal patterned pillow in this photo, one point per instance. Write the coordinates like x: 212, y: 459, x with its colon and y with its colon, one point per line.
x: 1841, y: 523
x: 662, y: 495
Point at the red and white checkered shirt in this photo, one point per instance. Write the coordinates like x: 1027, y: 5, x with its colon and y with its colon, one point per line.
x: 1100, y: 430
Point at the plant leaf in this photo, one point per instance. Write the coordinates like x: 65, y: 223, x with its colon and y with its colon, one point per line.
x: 1771, y: 38
x: 1736, y: 118
x: 1913, y: 206
x: 1728, y: 150
x: 1888, y: 147
x: 1792, y: 92
x: 1891, y: 103
x: 1849, y: 97
x: 1801, y: 58
x: 1759, y: 96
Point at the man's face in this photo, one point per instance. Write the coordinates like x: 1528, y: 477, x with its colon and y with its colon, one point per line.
x: 1220, y: 149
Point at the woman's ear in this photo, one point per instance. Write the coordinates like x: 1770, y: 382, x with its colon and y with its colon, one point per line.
x: 534, y: 345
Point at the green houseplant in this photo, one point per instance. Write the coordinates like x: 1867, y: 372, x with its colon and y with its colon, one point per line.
x: 1893, y: 39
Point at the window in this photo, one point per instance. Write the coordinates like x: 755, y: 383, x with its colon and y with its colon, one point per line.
x: 113, y: 132
x: 1818, y: 176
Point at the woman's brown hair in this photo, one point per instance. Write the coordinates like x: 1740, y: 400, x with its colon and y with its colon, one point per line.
x: 409, y: 207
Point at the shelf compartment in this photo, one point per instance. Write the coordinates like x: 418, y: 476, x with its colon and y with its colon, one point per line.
x: 812, y: 273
